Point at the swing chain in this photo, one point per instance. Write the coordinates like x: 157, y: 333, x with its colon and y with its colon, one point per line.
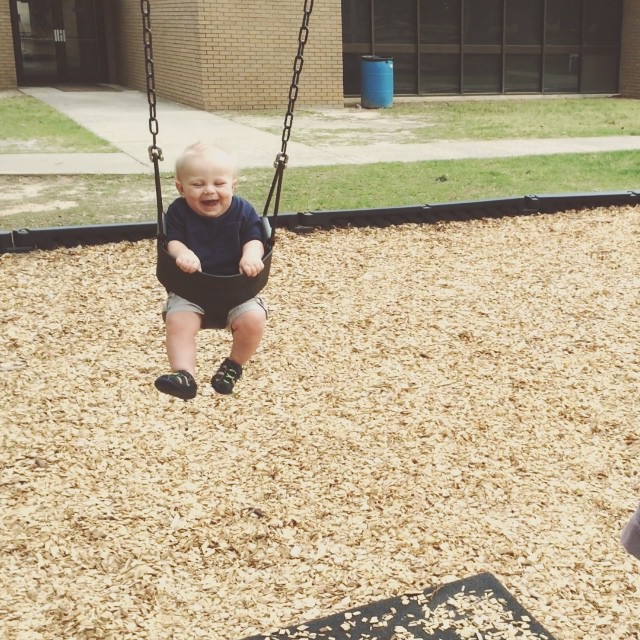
x: 282, y: 158
x: 155, y: 152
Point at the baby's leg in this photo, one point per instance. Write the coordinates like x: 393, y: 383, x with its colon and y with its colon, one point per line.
x: 247, y: 326
x: 247, y: 330
x: 181, y: 330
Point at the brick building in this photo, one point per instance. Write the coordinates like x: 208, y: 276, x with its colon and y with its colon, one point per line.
x: 224, y: 54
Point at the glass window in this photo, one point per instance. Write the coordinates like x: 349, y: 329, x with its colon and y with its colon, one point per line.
x: 561, y: 72
x: 405, y: 73
x: 439, y: 73
x: 522, y: 73
x: 564, y: 18
x: 38, y: 49
x: 351, y: 74
x: 79, y: 18
x: 482, y: 73
x: 561, y: 46
x: 600, y: 73
x: 395, y: 21
x: 440, y: 21
x: 356, y: 21
x: 82, y: 60
x: 524, y: 22
x: 602, y: 22
x: 483, y: 22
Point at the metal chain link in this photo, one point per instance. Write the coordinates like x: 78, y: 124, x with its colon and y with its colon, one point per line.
x: 282, y: 158
x: 155, y: 152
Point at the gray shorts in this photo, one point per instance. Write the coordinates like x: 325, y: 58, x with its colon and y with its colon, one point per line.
x: 175, y: 303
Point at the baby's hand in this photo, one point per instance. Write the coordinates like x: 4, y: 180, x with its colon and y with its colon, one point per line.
x: 251, y: 266
x: 189, y: 262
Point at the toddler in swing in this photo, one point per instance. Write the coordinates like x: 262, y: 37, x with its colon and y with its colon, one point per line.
x: 210, y: 229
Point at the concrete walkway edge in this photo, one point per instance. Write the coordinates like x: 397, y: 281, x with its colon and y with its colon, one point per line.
x: 121, y: 117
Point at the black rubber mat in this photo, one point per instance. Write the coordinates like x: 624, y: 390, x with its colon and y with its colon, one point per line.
x: 476, y: 608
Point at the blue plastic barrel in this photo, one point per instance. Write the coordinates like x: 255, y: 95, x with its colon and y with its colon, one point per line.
x: 376, y: 82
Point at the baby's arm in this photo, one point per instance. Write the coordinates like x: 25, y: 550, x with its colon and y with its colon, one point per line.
x: 185, y: 258
x: 251, y: 262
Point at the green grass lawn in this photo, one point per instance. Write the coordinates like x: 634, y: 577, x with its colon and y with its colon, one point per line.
x: 417, y: 121
x: 75, y: 200
x: 37, y: 201
x: 30, y: 126
x: 531, y: 118
x: 396, y: 184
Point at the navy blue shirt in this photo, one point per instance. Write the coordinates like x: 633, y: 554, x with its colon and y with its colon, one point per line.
x: 218, y: 242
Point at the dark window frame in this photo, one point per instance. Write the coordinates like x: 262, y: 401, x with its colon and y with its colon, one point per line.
x: 418, y: 49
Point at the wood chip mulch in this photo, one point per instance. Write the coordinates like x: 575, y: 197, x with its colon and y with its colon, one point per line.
x: 429, y: 402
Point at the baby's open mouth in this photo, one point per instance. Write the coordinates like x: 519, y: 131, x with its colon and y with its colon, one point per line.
x: 209, y: 203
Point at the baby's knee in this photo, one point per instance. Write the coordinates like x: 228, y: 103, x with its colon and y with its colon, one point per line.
x: 182, y: 323
x: 250, y: 322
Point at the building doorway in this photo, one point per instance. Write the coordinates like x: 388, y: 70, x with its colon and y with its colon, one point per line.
x: 59, y: 41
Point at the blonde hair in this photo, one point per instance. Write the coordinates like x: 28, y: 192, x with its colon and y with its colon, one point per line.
x: 202, y: 150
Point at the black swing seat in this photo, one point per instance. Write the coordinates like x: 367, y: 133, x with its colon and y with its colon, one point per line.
x: 217, y: 295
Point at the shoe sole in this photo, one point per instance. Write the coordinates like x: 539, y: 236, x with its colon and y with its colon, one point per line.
x: 171, y: 390
x: 224, y: 393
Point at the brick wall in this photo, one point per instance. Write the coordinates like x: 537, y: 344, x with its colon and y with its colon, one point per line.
x: 223, y: 54
x: 250, y: 50
x: 7, y: 58
x: 630, y: 52
x: 125, y: 44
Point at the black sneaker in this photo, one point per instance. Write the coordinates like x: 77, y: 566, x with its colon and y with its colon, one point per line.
x: 179, y: 384
x: 226, y: 377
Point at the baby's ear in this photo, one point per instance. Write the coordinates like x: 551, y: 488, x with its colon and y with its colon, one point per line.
x: 234, y: 184
x: 179, y: 187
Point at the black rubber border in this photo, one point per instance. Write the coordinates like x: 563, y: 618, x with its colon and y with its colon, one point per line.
x: 22, y: 240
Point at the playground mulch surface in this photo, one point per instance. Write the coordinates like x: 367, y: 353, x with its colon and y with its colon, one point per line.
x: 430, y: 402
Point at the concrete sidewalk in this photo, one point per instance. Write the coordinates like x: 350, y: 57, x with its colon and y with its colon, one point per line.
x: 121, y: 116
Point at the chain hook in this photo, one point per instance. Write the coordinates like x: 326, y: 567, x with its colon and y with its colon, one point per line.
x: 155, y: 152
x: 281, y: 160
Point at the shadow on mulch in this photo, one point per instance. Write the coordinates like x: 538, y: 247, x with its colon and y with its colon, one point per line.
x: 478, y: 607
